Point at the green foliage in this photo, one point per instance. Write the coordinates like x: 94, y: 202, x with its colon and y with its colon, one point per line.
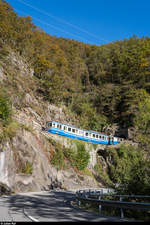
x: 27, y: 127
x: 78, y: 158
x: 134, y: 105
x: 101, y: 175
x: 139, y: 178
x: 89, y: 118
x: 10, y: 130
x: 129, y: 169
x: 5, y: 108
x: 78, y: 74
x: 100, y: 84
x: 42, y: 66
x: 81, y: 157
x: 142, y: 118
x: 124, y: 160
x: 27, y: 168
x: 58, y: 157
x: 3, y: 53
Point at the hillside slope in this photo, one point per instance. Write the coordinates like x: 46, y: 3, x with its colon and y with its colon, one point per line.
x: 103, y: 88
x: 26, y: 153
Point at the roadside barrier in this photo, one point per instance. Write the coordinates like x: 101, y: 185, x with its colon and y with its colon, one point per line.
x: 96, y: 197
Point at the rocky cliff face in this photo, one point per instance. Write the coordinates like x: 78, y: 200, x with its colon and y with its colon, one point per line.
x: 25, y: 165
x: 26, y: 152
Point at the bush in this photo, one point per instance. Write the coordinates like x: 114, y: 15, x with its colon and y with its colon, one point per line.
x: 80, y: 158
x: 123, y: 161
x: 58, y: 157
x: 10, y: 130
x: 3, y: 53
x: 5, y: 108
x: 27, y: 168
x: 129, y: 169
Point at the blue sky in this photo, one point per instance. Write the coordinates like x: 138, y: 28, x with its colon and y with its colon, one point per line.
x: 90, y: 21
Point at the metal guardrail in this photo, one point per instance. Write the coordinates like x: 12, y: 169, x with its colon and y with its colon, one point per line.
x: 95, y: 197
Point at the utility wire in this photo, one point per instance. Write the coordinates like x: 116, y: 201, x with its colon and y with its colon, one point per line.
x: 62, y: 21
x: 52, y: 26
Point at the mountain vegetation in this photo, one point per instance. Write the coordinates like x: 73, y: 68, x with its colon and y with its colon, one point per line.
x: 100, y: 85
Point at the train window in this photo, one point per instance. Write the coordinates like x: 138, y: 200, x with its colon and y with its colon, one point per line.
x: 49, y: 124
x: 94, y: 135
x: 81, y: 132
x: 69, y: 128
x: 100, y: 137
x: 86, y: 134
x: 73, y: 130
x: 60, y: 126
x: 77, y: 131
x: 57, y: 125
x: 65, y: 128
x: 53, y: 124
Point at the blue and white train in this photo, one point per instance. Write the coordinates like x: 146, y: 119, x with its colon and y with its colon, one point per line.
x: 80, y: 134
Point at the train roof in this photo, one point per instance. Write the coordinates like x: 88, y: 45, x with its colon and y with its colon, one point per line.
x: 91, y: 131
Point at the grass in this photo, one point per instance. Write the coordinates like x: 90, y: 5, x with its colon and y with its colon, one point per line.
x: 27, y: 169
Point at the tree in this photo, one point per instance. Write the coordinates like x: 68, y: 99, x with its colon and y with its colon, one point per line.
x: 142, y: 118
x: 130, y: 169
x: 5, y: 108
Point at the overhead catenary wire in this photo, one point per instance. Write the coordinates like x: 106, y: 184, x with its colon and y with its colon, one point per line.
x: 63, y: 21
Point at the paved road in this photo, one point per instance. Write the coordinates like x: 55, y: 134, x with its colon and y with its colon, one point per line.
x: 10, y: 213
x: 45, y: 206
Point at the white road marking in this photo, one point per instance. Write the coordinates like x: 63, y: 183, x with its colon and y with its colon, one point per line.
x: 30, y: 217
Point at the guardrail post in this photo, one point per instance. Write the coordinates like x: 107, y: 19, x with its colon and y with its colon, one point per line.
x: 87, y: 205
x: 121, y: 210
x: 99, y: 207
x: 79, y: 203
x: 86, y: 196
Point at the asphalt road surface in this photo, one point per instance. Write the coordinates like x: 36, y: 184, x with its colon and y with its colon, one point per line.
x: 52, y: 206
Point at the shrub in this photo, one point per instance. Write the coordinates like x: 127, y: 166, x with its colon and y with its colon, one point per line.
x: 80, y: 158
x: 58, y: 157
x: 27, y: 169
x: 10, y: 130
x: 129, y: 169
x: 5, y: 108
x: 3, y: 53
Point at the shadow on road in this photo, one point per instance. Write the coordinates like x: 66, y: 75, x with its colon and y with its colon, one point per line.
x: 52, y: 206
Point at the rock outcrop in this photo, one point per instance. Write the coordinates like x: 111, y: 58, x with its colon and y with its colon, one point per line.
x: 4, y: 189
x: 25, y: 165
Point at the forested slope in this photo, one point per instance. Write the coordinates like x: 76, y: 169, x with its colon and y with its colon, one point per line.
x: 100, y: 85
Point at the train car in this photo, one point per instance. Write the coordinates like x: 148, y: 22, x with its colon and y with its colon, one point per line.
x: 80, y: 134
